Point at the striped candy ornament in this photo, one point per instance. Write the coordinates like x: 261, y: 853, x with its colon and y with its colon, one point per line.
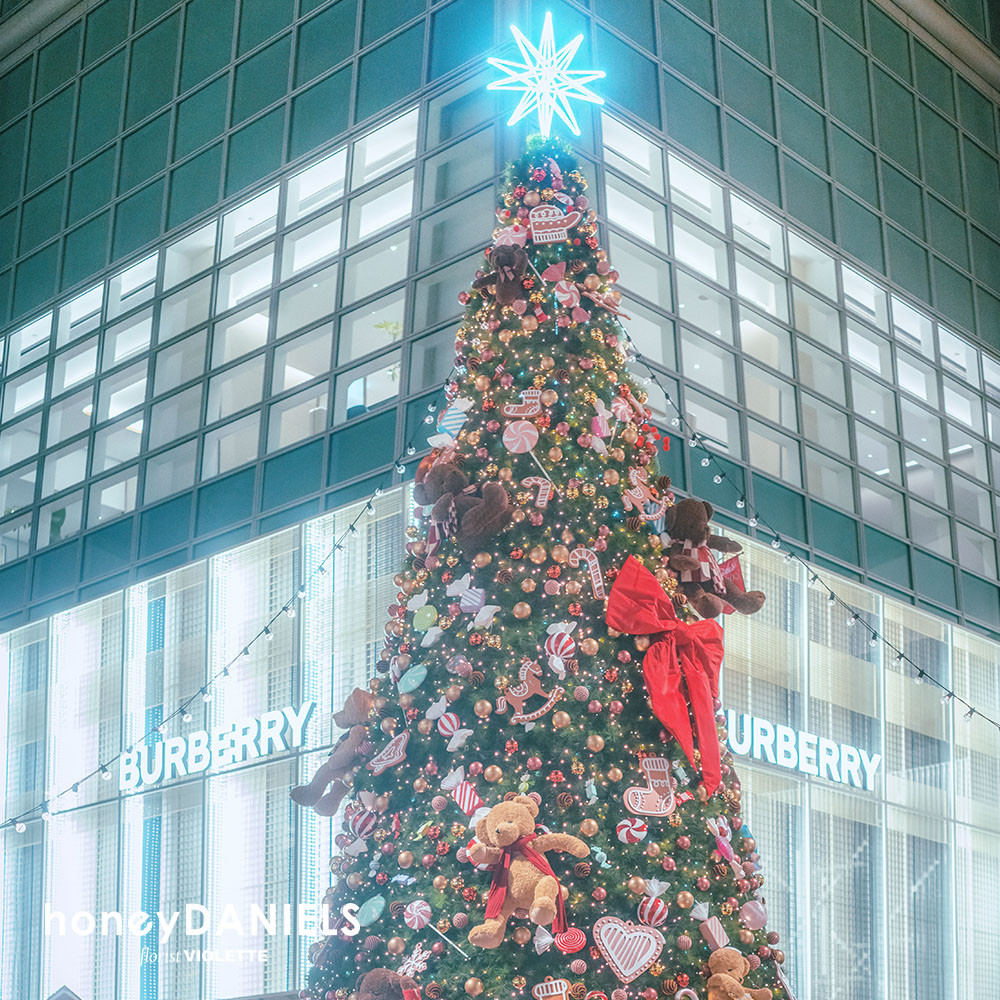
x: 362, y: 823
x: 631, y: 830
x: 467, y: 797
x: 448, y: 724
x: 652, y: 911
x: 417, y: 914
x: 560, y: 644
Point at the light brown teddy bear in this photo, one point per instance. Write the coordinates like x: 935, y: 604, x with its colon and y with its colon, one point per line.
x: 385, y: 984
x: 728, y: 968
x: 505, y: 836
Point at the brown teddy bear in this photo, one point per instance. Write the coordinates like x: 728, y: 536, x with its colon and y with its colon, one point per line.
x: 690, y: 556
x: 523, y: 879
x: 505, y: 281
x: 342, y: 760
x: 470, y: 514
x: 384, y: 984
x: 728, y: 967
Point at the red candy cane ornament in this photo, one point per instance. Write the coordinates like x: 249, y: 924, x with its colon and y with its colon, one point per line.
x: 589, y: 557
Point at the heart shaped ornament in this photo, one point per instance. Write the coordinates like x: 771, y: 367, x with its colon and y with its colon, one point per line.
x: 628, y: 948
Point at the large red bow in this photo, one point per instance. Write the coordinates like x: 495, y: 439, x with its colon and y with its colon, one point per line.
x: 681, y: 656
x: 501, y: 873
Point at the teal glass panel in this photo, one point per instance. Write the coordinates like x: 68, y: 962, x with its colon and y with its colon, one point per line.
x: 753, y: 160
x: 903, y: 200
x: 834, y: 533
x: 700, y: 8
x: 379, y: 18
x: 980, y: 600
x: 947, y: 231
x: 261, y: 80
x: 976, y: 114
x: 390, y: 72
x: 107, y: 27
x: 796, y: 48
x: 144, y: 153
x: 785, y: 508
x: 887, y: 557
x: 934, y: 579
x: 194, y: 186
x: 934, y: 79
x: 320, y: 113
x: 11, y: 162
x: 261, y: 21
x: 91, y: 186
x: 986, y: 259
x: 99, y: 112
x: 86, y: 250
x: 137, y: 220
x: 201, y: 117
x: 847, y: 84
x: 296, y: 474
x: 154, y: 65
x: 982, y: 176
x: 634, y: 19
x: 860, y: 232
x: 35, y: 280
x: 988, y: 307
x: 361, y: 447
x: 745, y: 24
x: 8, y: 237
x: 57, y: 61
x: 846, y: 15
x: 908, y: 263
x: 15, y: 92
x: 807, y: 197
x: 692, y: 120
x: 897, y: 124
x: 890, y: 43
x: 208, y: 39
x: 225, y: 502
x: 631, y: 79
x: 747, y: 90
x: 147, y: 11
x: 689, y: 48
x: 854, y: 165
x: 459, y: 32
x: 326, y: 40
x: 942, y: 170
x: 41, y: 217
x: 803, y: 130
x: 51, y: 129
x: 255, y: 151
x: 953, y: 293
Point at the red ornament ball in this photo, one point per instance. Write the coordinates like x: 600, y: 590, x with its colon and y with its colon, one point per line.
x: 428, y: 860
x: 669, y: 864
x: 683, y: 842
x: 684, y: 942
x: 476, y: 768
x: 594, y: 707
x: 616, y: 707
x: 600, y: 894
x: 703, y: 884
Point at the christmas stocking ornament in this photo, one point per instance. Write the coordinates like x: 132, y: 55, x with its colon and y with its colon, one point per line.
x: 657, y: 798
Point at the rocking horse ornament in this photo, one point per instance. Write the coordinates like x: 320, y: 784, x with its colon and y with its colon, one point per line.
x: 529, y: 684
x: 640, y: 493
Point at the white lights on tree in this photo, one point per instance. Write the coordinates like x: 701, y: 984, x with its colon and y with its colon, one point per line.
x: 546, y: 79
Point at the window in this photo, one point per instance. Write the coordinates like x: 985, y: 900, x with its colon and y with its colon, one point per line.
x: 316, y: 186
x: 765, y: 288
x: 121, y: 392
x: 812, y: 266
x: 635, y: 212
x: 80, y: 316
x: 706, y: 363
x: 17, y: 489
x: 926, y: 479
x: 917, y: 377
x: 774, y: 452
x: 175, y: 417
x: 864, y: 298
x: 132, y: 287
x: 371, y: 328
x: 829, y: 479
x: 645, y: 274
x: 435, y: 296
x: 297, y: 417
x: 963, y: 405
x: 431, y: 359
x: 966, y: 453
x: 877, y: 454
x: 694, y: 192
x: 866, y: 347
x: 381, y: 207
x: 882, y: 506
x: 825, y: 425
x: 874, y: 402
x: 454, y: 228
x: 822, y: 372
x: 250, y: 223
x: 60, y: 519
x: 180, y: 362
x: 757, y: 232
x: 230, y: 446
x: 652, y: 334
x: 958, y: 357
x: 765, y: 341
x: 307, y: 301
x: 127, y: 338
x: 381, y: 264
x: 991, y: 377
x: 769, y: 396
x: 184, y: 309
x: 365, y: 387
x: 28, y: 343
x: 704, y: 307
x: 15, y: 536
x: 189, y: 256
x: 973, y: 502
x: 116, y: 444
x: 816, y: 319
x: 245, y: 278
x: 170, y: 472
x: 112, y: 497
x: 912, y: 328
x: 69, y: 417
x: 386, y: 148
x: 302, y: 359
x: 921, y: 427
x: 632, y: 154
x: 701, y: 250
x: 74, y: 366
x: 976, y: 552
x: 930, y: 529
x: 235, y: 389
x: 715, y: 423
x: 23, y: 392
x: 241, y: 333
x: 64, y: 468
x: 20, y: 441
x: 459, y: 167
x: 311, y: 243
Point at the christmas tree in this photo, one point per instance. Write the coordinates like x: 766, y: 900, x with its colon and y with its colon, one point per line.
x: 539, y: 800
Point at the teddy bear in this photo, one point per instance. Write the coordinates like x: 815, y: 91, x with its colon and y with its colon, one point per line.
x: 479, y: 514
x: 505, y: 837
x: 690, y: 542
x: 384, y: 984
x: 509, y: 266
x: 341, y: 761
x: 728, y: 967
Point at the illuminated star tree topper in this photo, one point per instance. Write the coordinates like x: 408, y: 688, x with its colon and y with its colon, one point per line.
x: 546, y: 79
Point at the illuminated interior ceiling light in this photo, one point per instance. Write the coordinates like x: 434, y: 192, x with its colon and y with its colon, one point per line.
x: 546, y: 80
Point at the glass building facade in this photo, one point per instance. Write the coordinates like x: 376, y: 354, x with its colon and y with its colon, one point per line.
x: 232, y: 234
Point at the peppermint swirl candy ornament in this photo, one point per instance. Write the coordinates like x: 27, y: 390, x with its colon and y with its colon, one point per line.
x: 417, y: 914
x: 631, y: 830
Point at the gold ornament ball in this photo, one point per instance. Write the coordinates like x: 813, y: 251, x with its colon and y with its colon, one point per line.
x: 505, y: 475
x: 522, y: 935
x: 420, y: 785
x: 602, y: 254
x: 779, y: 956
x: 538, y: 554
x: 560, y: 553
x: 618, y: 454
x: 453, y: 692
x: 615, y: 774
x: 482, y: 708
x: 355, y: 880
x: 528, y: 585
x: 611, y: 476
x: 517, y: 516
x: 532, y: 198
x: 474, y: 986
x: 684, y: 899
x: 388, y: 726
x: 529, y: 323
x: 637, y: 885
x: 561, y: 720
x: 405, y: 859
x: 595, y: 742
x: 574, y: 587
x: 652, y: 850
x: 555, y: 454
x: 395, y: 946
x: 592, y: 282
x: 482, y: 382
x: 473, y: 437
x: 398, y: 579
x: 589, y: 827
x: 630, y: 435
x: 482, y: 559
x: 493, y: 773
x: 642, y: 643
x: 505, y: 336
x: 405, y: 700
x: 424, y: 726
x: 382, y: 803
x: 549, y: 397
x: 522, y: 609
x: 746, y: 937
x: 547, y: 363
x: 589, y: 647
x: 440, y: 882
x: 380, y: 702
x: 749, y: 845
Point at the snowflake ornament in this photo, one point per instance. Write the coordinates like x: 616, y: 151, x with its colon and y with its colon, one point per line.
x: 415, y: 962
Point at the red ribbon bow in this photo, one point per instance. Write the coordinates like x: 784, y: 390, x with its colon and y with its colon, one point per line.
x: 681, y: 667
x: 501, y: 872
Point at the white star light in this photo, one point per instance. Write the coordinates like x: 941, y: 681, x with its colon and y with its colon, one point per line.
x: 546, y: 79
